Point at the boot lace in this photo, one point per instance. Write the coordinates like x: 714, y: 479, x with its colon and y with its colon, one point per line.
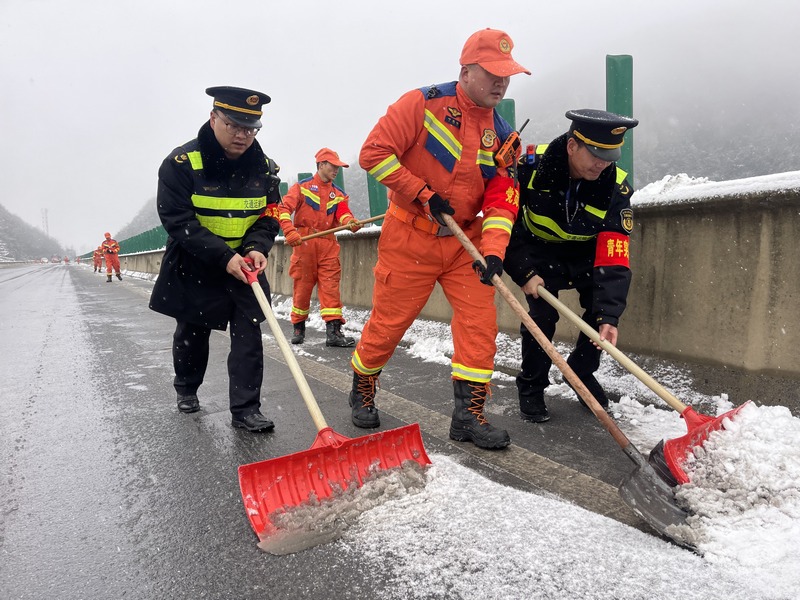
x: 366, y: 388
x: 477, y: 400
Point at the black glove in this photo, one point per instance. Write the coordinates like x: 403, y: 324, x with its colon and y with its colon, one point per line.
x: 438, y: 205
x: 494, y: 266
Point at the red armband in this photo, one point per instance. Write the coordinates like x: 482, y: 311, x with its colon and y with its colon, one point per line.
x: 501, y: 192
x: 612, y: 250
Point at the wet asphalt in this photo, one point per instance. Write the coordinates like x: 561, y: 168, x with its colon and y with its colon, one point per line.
x: 107, y: 491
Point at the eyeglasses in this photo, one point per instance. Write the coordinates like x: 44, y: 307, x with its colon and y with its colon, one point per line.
x: 236, y: 129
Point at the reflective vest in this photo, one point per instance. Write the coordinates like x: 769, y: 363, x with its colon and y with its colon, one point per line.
x: 224, y: 215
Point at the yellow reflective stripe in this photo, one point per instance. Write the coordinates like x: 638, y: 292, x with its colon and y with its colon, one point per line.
x: 300, y: 311
x: 359, y: 367
x: 465, y: 372
x: 284, y: 216
x: 227, y: 204
x: 621, y: 175
x: 196, y: 160
x: 234, y: 243
x: 384, y: 168
x: 227, y: 227
x: 334, y: 202
x: 497, y: 223
x: 330, y: 312
x: 533, y: 222
x: 485, y: 158
x: 601, y: 214
x: 310, y: 194
x: 437, y: 129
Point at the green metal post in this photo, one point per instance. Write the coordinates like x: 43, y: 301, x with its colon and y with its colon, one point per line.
x: 283, y: 187
x: 301, y: 176
x: 507, y: 110
x: 619, y: 100
x: 378, y: 201
x: 339, y: 179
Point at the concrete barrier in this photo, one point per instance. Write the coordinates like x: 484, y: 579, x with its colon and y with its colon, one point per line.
x: 715, y: 282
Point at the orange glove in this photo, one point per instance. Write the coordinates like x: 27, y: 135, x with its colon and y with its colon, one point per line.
x: 293, y: 238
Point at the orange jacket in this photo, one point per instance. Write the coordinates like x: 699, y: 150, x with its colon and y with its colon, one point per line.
x: 316, y: 205
x: 98, y: 252
x: 110, y: 246
x: 436, y: 139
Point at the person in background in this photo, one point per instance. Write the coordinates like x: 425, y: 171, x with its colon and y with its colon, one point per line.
x: 435, y: 151
x: 573, y: 232
x: 318, y: 204
x: 97, y: 259
x: 217, y: 199
x: 111, y: 253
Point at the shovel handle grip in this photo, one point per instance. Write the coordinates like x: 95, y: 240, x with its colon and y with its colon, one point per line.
x: 615, y: 353
x: 288, y: 355
x: 340, y: 228
x: 541, y: 338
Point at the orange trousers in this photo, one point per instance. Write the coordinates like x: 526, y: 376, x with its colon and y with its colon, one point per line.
x: 316, y: 263
x: 112, y: 262
x: 98, y: 263
x: 410, y: 263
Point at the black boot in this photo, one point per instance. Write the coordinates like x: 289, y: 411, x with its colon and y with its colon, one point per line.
x: 335, y: 337
x: 188, y: 403
x: 362, y: 401
x: 109, y: 279
x: 531, y: 401
x: 469, y: 423
x: 299, y: 333
x: 119, y: 276
x: 594, y: 388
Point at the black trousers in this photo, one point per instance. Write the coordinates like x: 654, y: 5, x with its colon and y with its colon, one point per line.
x: 245, y: 361
x: 584, y: 359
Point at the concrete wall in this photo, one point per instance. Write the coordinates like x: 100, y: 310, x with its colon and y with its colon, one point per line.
x: 715, y: 282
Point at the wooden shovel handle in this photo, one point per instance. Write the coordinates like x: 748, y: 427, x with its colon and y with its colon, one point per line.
x: 340, y: 228
x: 541, y: 338
x: 615, y: 353
x: 288, y: 355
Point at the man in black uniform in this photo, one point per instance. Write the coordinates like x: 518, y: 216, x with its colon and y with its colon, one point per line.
x: 217, y: 198
x: 572, y: 232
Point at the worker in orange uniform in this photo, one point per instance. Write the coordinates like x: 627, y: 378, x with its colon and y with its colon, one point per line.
x: 318, y: 204
x: 435, y: 151
x: 97, y: 259
x: 111, y: 252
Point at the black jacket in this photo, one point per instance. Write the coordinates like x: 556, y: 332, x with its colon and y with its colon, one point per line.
x: 557, y: 240
x: 192, y: 284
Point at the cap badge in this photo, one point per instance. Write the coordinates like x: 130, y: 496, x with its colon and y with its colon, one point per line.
x: 454, y: 112
x: 618, y: 130
x: 252, y: 100
x: 505, y: 46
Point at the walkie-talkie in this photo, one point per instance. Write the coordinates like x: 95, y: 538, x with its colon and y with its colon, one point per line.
x: 506, y: 155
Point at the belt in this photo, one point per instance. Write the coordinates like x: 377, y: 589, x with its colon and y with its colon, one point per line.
x: 418, y: 221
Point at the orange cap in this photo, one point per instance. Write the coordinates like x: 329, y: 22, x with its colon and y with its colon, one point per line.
x: 491, y: 49
x: 108, y: 235
x: 328, y: 155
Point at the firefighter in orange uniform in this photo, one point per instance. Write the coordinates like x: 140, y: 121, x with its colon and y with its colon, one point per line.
x: 97, y: 259
x: 111, y: 252
x: 318, y: 204
x: 434, y: 149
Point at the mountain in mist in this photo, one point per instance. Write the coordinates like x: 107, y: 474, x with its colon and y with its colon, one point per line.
x: 20, y: 241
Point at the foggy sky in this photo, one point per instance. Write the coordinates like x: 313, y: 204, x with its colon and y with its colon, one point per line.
x: 97, y: 93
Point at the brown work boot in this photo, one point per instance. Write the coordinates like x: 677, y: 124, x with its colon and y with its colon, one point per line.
x: 299, y: 333
x: 469, y: 423
x: 362, y: 401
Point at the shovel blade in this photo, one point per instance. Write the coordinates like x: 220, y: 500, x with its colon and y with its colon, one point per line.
x: 651, y: 499
x: 699, y: 427
x: 332, y: 464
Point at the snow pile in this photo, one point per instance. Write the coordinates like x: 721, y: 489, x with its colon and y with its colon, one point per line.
x: 744, y: 493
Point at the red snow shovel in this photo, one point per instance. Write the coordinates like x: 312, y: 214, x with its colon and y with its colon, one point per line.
x: 334, y: 462
x: 642, y: 490
x: 668, y: 456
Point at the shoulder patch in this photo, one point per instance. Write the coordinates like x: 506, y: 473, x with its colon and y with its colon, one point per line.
x: 181, y: 158
x: 626, y: 218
